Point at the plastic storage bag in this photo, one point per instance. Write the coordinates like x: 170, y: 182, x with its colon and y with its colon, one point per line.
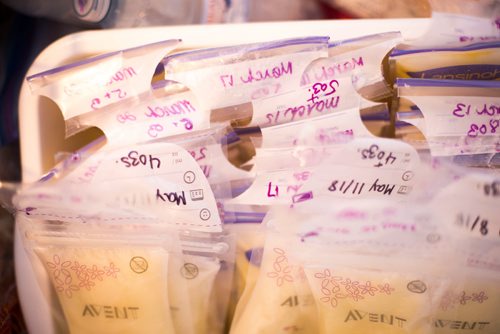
x: 231, y: 76
x: 93, y: 83
x: 460, y: 117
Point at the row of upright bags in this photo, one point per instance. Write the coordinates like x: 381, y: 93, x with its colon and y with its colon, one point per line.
x: 375, y: 240
x: 140, y: 214
x: 359, y: 267
x: 127, y: 233
x: 170, y: 201
x: 447, y: 86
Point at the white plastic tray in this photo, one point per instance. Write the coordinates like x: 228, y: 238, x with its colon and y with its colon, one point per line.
x: 42, y: 125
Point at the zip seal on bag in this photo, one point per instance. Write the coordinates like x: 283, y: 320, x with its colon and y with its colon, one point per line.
x: 93, y: 83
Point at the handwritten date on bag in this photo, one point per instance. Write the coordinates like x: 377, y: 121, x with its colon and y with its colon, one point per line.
x: 462, y: 110
x: 92, y: 85
x: 303, y: 111
x: 134, y: 159
x: 344, y: 186
x: 172, y: 197
x: 474, y: 223
x: 181, y: 107
x: 488, y: 126
x: 255, y: 75
x: 332, y: 70
x: 492, y: 189
x: 356, y: 188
